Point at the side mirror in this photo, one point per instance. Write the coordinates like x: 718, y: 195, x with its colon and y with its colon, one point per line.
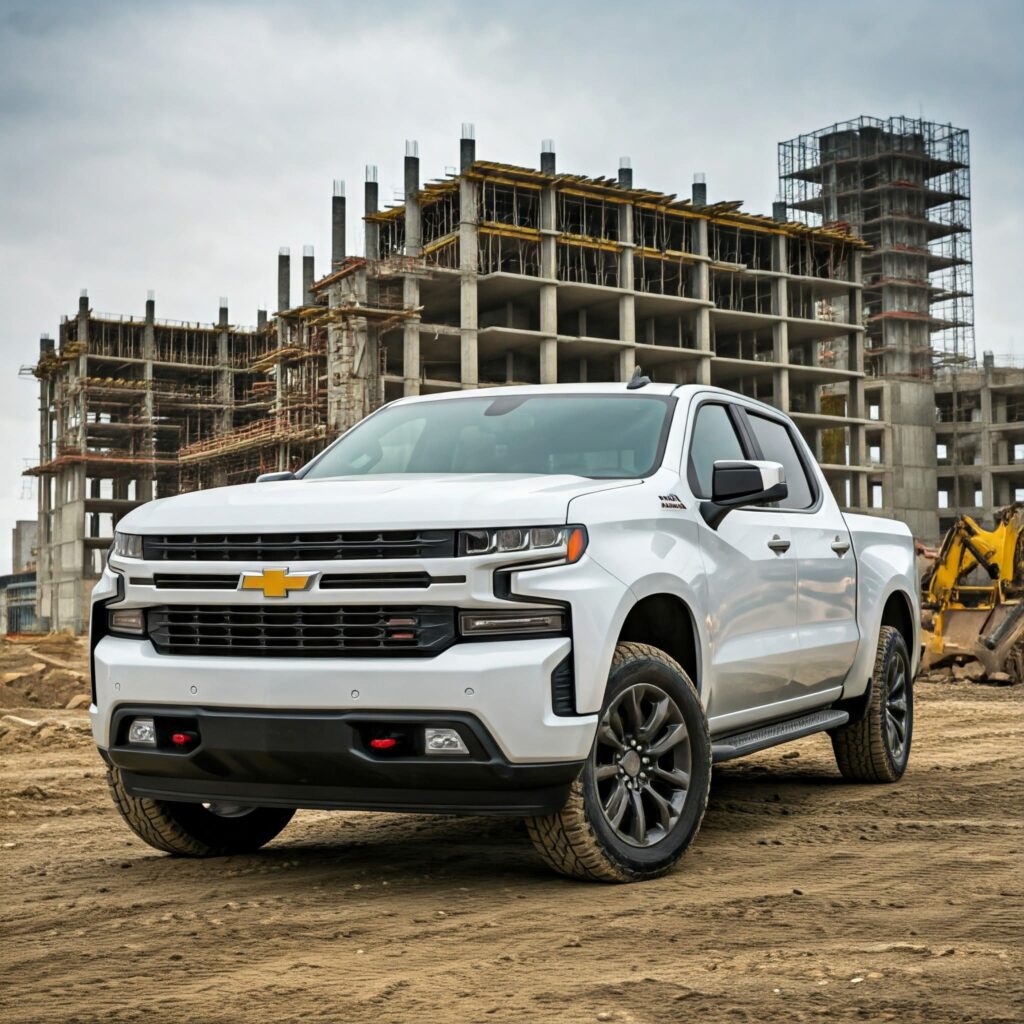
x: 285, y: 474
x: 737, y: 484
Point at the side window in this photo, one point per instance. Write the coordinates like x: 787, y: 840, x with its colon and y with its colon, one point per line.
x: 714, y: 440
x: 777, y: 445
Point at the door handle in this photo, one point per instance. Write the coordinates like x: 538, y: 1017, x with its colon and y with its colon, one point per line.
x: 840, y: 546
x: 778, y: 545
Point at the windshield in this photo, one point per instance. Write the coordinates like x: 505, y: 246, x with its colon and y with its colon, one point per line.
x: 599, y: 436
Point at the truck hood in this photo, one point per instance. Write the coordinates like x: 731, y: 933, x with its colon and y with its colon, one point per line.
x: 368, y: 503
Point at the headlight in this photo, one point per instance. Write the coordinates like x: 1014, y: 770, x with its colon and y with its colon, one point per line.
x: 570, y: 540
x: 127, y: 545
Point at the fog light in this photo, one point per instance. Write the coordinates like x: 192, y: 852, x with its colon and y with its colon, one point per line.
x: 443, y: 741
x: 127, y: 620
x: 142, y: 732
x: 499, y: 622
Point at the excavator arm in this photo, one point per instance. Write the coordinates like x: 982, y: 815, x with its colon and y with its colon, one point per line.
x: 981, y: 617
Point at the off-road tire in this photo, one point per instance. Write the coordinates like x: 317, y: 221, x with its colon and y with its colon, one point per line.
x: 576, y: 841
x: 190, y: 830
x: 863, y: 750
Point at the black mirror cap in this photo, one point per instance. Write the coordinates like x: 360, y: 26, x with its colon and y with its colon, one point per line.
x: 284, y: 474
x: 736, y: 484
x: 733, y: 482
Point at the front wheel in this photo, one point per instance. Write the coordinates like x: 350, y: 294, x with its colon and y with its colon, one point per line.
x: 639, y: 800
x: 197, y: 830
x: 877, y: 748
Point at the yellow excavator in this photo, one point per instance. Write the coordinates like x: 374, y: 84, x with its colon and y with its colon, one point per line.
x: 975, y: 589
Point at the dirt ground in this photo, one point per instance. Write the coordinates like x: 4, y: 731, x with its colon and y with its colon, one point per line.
x: 803, y: 899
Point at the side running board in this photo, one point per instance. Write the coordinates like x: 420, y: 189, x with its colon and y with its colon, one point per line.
x: 725, y: 748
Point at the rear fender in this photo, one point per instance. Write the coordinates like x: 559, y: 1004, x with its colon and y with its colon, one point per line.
x: 885, y: 566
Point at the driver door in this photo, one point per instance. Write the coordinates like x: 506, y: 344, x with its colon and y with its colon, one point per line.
x: 750, y: 571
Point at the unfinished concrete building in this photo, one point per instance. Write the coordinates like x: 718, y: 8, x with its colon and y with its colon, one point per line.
x: 492, y: 275
x: 120, y: 396
x: 904, y: 185
x: 979, y: 437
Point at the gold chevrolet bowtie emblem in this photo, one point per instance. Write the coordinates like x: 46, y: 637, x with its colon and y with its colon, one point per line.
x: 276, y: 582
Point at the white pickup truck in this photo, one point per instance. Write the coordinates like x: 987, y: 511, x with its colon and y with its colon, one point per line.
x: 563, y: 603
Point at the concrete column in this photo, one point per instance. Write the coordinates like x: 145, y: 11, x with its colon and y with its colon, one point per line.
x: 308, y: 275
x: 625, y: 173
x: 413, y: 218
x: 702, y: 291
x: 780, y: 354
x: 371, y: 242
x: 780, y: 330
x: 467, y: 146
x: 284, y: 279
x: 469, y: 269
x: 627, y: 363
x: 627, y: 301
x: 411, y: 369
x: 82, y: 368
x: 548, y: 273
x: 547, y: 157
x: 549, y: 325
x: 225, y: 374
x: 94, y: 517
x: 856, y: 403
x: 149, y: 353
x: 338, y: 225
x: 988, y: 448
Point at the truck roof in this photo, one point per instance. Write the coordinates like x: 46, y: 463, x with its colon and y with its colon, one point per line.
x: 595, y: 388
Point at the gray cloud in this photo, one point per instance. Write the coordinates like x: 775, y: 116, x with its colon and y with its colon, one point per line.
x: 175, y: 146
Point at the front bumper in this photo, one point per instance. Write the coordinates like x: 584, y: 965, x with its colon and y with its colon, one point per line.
x: 504, y: 685
x: 322, y: 759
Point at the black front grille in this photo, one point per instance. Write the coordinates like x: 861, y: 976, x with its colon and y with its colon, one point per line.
x: 383, y: 580
x: 185, y: 581
x: 327, y: 631
x: 285, y: 547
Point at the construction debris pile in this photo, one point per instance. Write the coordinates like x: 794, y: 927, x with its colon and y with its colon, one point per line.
x: 39, y: 677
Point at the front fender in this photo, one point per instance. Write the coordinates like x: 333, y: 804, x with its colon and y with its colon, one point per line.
x: 600, y: 603
x: 648, y: 549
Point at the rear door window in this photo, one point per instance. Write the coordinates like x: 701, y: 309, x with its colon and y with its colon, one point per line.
x: 777, y: 445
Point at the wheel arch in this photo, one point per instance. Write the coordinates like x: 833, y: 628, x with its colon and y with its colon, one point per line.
x: 898, y: 612
x: 666, y: 621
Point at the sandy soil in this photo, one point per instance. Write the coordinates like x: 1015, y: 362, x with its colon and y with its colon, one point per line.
x: 804, y: 898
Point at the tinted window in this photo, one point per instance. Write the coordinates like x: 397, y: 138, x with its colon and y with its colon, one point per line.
x: 714, y: 440
x: 582, y: 435
x: 777, y: 446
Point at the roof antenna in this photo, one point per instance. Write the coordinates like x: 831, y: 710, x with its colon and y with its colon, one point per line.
x: 638, y: 381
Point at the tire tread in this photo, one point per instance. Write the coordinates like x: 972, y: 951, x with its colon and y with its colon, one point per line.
x: 155, y: 823
x: 566, y: 840
x: 860, y: 748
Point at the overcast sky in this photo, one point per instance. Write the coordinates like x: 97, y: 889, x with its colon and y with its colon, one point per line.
x: 176, y: 146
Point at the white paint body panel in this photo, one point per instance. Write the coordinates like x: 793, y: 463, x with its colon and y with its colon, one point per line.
x: 776, y: 634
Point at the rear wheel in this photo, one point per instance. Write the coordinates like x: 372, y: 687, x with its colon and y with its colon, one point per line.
x: 197, y: 830
x: 877, y: 748
x: 639, y: 801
